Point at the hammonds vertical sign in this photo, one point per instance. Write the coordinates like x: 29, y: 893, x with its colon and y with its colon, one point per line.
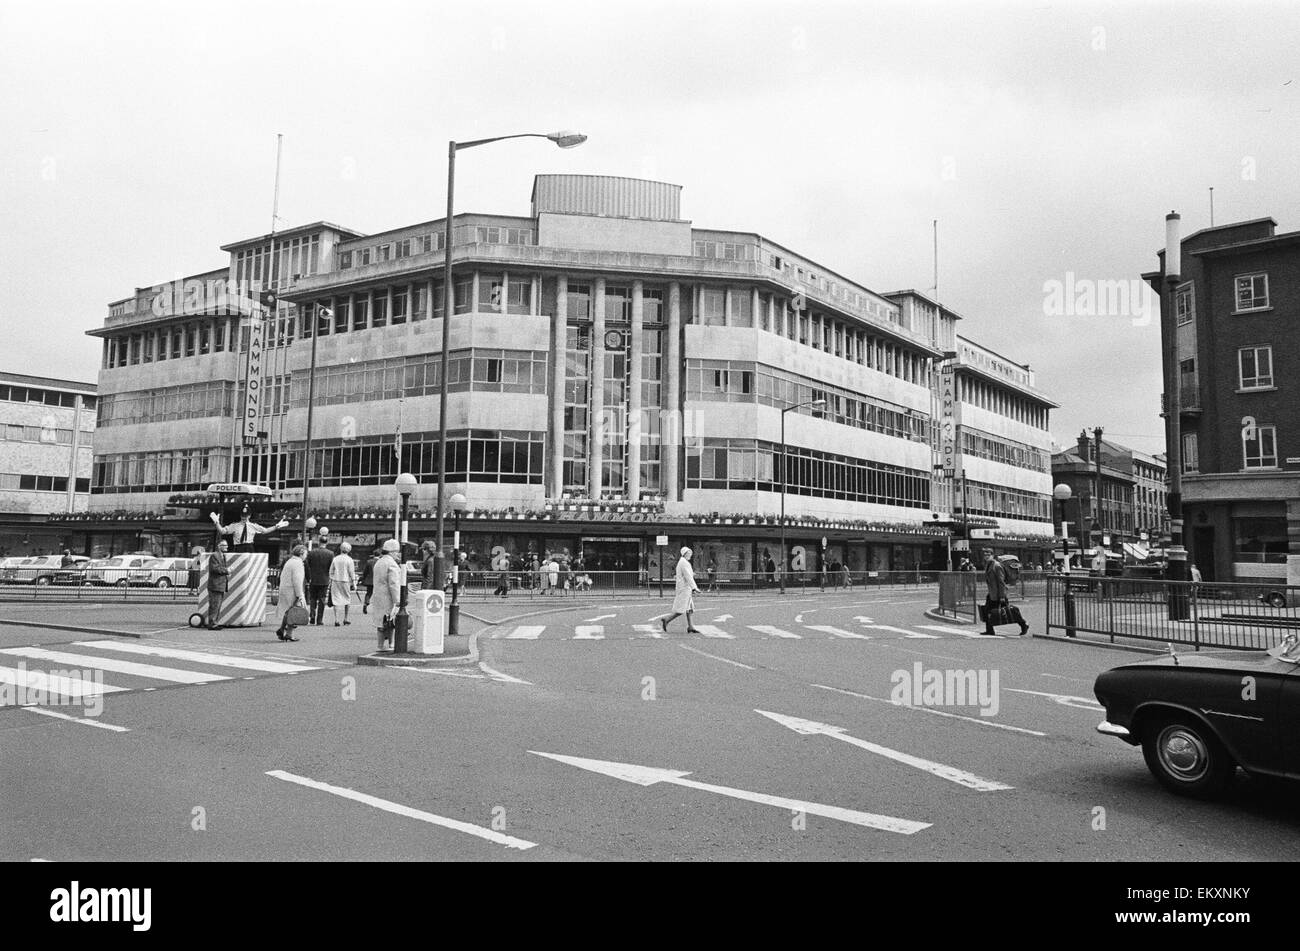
x: 253, y: 378
x: 948, y: 420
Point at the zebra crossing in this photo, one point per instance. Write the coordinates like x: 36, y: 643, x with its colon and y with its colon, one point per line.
x: 85, y: 670
x: 733, y: 631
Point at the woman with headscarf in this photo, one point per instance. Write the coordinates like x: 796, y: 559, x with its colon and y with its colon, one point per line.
x: 292, y: 594
x: 343, y: 581
x: 684, y: 598
x: 386, y: 590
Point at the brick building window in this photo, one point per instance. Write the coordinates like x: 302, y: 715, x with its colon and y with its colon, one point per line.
x: 1260, y: 452
x: 1252, y: 292
x: 1255, y: 367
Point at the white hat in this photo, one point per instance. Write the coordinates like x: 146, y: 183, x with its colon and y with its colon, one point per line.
x: 686, y: 551
x: 392, y: 545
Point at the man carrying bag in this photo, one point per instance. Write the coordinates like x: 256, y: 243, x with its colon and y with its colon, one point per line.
x: 996, y: 609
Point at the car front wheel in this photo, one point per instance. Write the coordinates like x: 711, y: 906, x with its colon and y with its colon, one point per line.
x: 1186, y: 757
x: 164, y: 583
x: 122, y: 583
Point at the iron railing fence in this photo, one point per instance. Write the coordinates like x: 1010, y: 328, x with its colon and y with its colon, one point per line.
x: 1244, y: 615
x: 961, y: 592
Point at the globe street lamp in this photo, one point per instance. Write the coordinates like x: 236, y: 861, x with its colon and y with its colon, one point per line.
x: 565, y: 140
x: 1062, y: 494
x: 458, y: 504
x: 405, y: 485
x: 816, y: 404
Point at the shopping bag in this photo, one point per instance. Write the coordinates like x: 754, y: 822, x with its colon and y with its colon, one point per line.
x: 996, y: 614
x: 296, y: 616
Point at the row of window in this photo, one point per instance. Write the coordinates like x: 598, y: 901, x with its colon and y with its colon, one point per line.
x: 292, y: 257
x: 480, y: 370
x: 751, y: 464
x: 997, y: 400
x: 176, y: 470
x: 188, y: 401
x: 434, y: 241
x: 33, y: 394
x: 197, y: 338
x: 743, y: 382
x: 478, y: 455
x: 1249, y: 293
x: 16, y: 432
x: 13, y: 481
x: 1258, y: 449
x: 998, y: 501
x: 982, y: 445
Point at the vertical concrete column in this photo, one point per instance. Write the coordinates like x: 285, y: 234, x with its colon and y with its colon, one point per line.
x: 672, y: 426
x: 535, y: 299
x: 559, y: 333
x: 74, y: 454
x: 1293, y: 542
x: 474, y: 296
x: 633, y: 428
x: 596, y: 427
x: 755, y: 305
x: 505, y: 292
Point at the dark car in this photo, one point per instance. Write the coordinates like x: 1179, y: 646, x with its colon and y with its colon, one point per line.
x: 1200, y: 716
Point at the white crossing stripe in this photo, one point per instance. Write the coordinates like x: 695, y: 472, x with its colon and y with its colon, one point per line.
x: 708, y: 630
x: 774, y: 631
x: 72, y: 687
x: 589, y: 632
x: 528, y: 632
x: 86, y: 721
x: 170, y: 674
x: 949, y: 629
x: 649, y: 630
x: 837, y: 631
x: 901, y: 630
x: 199, y: 657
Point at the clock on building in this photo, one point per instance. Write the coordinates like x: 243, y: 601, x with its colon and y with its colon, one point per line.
x: 613, y: 340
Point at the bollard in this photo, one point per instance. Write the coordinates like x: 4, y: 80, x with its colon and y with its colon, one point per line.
x: 1071, y: 623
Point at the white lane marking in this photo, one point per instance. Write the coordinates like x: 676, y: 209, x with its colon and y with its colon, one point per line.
x: 798, y: 618
x: 962, y: 632
x: 72, y: 687
x: 938, y: 713
x: 170, y: 674
x: 774, y: 631
x: 863, y: 619
x: 86, y: 721
x: 893, y: 645
x: 456, y: 825
x: 722, y: 617
x: 906, y: 632
x: 1075, y: 679
x: 1065, y: 700
x: 951, y: 773
x: 527, y: 632
x: 502, y: 678
x: 708, y: 630
x: 696, y: 650
x: 602, y: 617
x: 445, y: 673
x: 649, y: 775
x: 198, y: 657
x: 838, y: 632
x: 649, y: 630
x: 589, y: 632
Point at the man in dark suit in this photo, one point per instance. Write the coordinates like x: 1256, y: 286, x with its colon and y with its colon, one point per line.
x: 319, y: 560
x: 218, y: 582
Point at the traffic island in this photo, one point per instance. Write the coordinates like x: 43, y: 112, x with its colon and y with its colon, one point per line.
x: 457, y: 650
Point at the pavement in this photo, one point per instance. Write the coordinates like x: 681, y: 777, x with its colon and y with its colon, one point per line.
x: 582, y: 732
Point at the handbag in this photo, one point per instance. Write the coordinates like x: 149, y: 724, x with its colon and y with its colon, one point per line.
x: 296, y: 615
x: 996, y: 615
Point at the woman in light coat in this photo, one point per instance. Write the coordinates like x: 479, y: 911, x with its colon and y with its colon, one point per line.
x: 684, y: 596
x: 386, y: 590
x: 343, y: 581
x: 292, y: 576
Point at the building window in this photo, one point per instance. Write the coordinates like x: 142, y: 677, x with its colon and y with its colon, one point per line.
x: 713, y: 306
x: 1185, y: 304
x: 1260, y: 452
x: 579, y: 301
x: 742, y: 307
x: 363, y: 257
x: 1255, y: 365
x: 1191, y: 460
x: 1252, y: 292
x: 345, y: 260
x: 519, y: 298
x: 1259, y: 540
x: 383, y: 252
x: 404, y: 248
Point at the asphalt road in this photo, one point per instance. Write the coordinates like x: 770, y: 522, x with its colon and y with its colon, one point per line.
x: 580, y: 734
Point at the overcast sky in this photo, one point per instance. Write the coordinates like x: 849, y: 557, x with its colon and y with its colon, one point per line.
x: 1046, y: 138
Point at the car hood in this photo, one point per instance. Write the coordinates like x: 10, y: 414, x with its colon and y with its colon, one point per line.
x: 1207, y: 660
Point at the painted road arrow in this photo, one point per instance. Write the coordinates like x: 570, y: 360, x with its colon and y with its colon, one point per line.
x: 950, y: 773
x: 650, y: 775
x: 722, y: 617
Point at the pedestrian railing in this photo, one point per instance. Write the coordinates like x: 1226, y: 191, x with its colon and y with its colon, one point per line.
x: 961, y: 592
x: 1245, y: 615
x: 43, y: 584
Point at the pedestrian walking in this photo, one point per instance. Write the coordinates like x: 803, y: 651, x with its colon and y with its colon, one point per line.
x: 771, y: 570
x: 712, y: 571
x: 367, y: 581
x: 503, y: 578
x: 218, y: 583
x: 429, y: 565
x: 1196, y: 574
x: 343, y: 581
x: 319, y: 561
x: 386, y: 590
x: 552, y: 574
x: 684, y: 594
x: 847, y: 575
x: 293, y: 577
x: 997, y: 609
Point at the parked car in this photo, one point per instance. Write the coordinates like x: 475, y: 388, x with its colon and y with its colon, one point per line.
x: 1199, y: 716
x: 161, y: 573
x: 117, y: 570
x: 74, y: 573
x: 10, y: 569
x: 39, y: 570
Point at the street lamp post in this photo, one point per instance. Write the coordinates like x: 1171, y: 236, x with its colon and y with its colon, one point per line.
x: 784, y: 479
x: 565, y: 140
x: 458, y: 504
x: 316, y: 314
x: 1062, y: 494
x: 405, y: 485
